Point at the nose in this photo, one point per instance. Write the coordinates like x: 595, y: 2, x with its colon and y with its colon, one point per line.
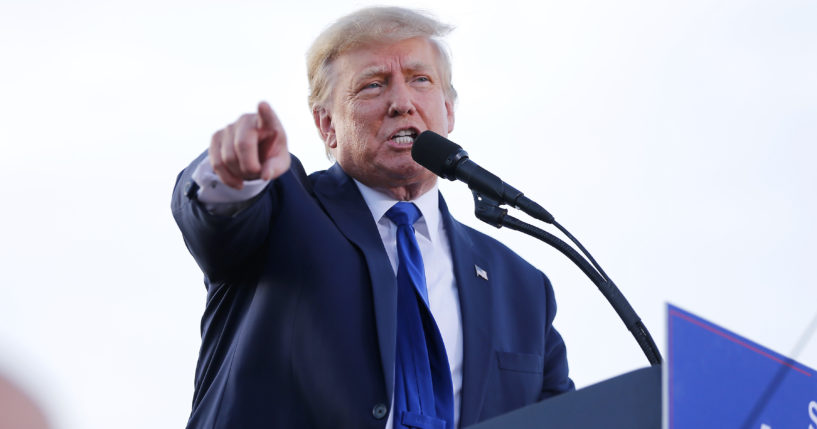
x: 400, y: 101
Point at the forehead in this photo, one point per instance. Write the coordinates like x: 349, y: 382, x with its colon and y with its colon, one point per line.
x: 410, y: 54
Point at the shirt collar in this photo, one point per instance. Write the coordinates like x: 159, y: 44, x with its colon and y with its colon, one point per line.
x: 428, y: 203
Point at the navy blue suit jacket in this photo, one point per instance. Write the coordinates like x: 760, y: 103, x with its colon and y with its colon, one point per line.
x: 299, y: 326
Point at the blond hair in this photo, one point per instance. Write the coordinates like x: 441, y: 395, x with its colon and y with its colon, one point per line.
x: 368, y: 26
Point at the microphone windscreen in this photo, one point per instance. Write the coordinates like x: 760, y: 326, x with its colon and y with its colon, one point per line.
x: 435, y: 152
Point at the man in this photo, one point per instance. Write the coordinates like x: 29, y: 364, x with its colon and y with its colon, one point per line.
x: 324, y: 308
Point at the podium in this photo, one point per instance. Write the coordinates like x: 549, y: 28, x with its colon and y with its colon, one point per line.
x: 629, y: 401
x: 714, y: 379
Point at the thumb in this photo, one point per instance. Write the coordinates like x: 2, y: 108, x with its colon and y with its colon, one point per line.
x: 267, y: 170
x: 275, y: 166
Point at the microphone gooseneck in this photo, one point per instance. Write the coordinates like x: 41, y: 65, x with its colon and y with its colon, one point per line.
x: 449, y: 161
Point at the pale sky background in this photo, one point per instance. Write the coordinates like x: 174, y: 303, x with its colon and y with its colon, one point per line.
x: 677, y: 140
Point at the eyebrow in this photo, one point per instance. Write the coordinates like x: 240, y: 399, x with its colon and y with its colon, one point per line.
x: 371, y: 72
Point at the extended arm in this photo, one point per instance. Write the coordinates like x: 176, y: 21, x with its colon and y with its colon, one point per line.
x: 251, y: 150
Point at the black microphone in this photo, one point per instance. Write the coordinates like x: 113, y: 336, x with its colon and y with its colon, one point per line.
x: 449, y: 161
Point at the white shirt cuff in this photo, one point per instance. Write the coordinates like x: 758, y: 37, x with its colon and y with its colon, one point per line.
x: 219, y: 198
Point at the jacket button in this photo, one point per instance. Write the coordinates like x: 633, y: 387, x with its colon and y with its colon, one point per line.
x: 191, y: 189
x: 379, y: 411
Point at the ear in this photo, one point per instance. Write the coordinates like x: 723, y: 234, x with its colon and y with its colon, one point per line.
x: 323, y: 121
x: 449, y: 110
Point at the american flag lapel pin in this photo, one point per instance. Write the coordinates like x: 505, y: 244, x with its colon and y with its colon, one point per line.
x: 480, y: 272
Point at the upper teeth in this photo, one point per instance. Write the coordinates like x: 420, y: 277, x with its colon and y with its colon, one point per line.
x: 404, y: 133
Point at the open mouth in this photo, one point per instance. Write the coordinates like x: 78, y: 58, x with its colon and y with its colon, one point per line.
x: 405, y: 136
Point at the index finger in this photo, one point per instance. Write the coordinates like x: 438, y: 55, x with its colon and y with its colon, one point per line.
x: 266, y: 119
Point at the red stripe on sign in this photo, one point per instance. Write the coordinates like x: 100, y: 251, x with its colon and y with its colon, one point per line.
x: 737, y: 341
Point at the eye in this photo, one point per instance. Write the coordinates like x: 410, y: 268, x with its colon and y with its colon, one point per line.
x: 370, y: 89
x: 421, y: 81
x: 371, y: 86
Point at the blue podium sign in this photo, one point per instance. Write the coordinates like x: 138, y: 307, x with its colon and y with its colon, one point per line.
x: 718, y: 379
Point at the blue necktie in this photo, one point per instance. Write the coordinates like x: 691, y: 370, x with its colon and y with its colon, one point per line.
x: 423, y: 393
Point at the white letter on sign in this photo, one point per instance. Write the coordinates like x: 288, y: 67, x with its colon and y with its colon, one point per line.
x: 812, y: 413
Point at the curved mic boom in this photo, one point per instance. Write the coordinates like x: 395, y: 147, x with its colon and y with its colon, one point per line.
x: 449, y: 161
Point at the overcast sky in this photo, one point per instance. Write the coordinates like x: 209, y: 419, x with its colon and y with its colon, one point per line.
x: 676, y: 139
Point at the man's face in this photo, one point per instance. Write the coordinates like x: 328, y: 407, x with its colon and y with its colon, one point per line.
x: 383, y: 97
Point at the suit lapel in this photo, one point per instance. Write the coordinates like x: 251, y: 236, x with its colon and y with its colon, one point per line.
x: 342, y: 201
x: 475, y: 305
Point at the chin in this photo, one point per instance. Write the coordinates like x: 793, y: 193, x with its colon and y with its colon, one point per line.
x: 410, y: 171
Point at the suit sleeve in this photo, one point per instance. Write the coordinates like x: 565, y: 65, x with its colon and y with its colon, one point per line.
x: 555, y: 378
x: 220, y: 244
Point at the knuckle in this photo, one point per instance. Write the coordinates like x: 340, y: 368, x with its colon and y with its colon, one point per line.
x: 251, y: 168
x: 245, y: 144
x: 227, y: 154
x: 247, y: 118
x: 228, y: 131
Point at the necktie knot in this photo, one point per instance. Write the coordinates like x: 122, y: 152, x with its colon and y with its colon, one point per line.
x: 403, y: 213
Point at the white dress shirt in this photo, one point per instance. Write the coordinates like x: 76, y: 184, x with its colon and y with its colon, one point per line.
x: 431, y: 238
x: 442, y: 289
